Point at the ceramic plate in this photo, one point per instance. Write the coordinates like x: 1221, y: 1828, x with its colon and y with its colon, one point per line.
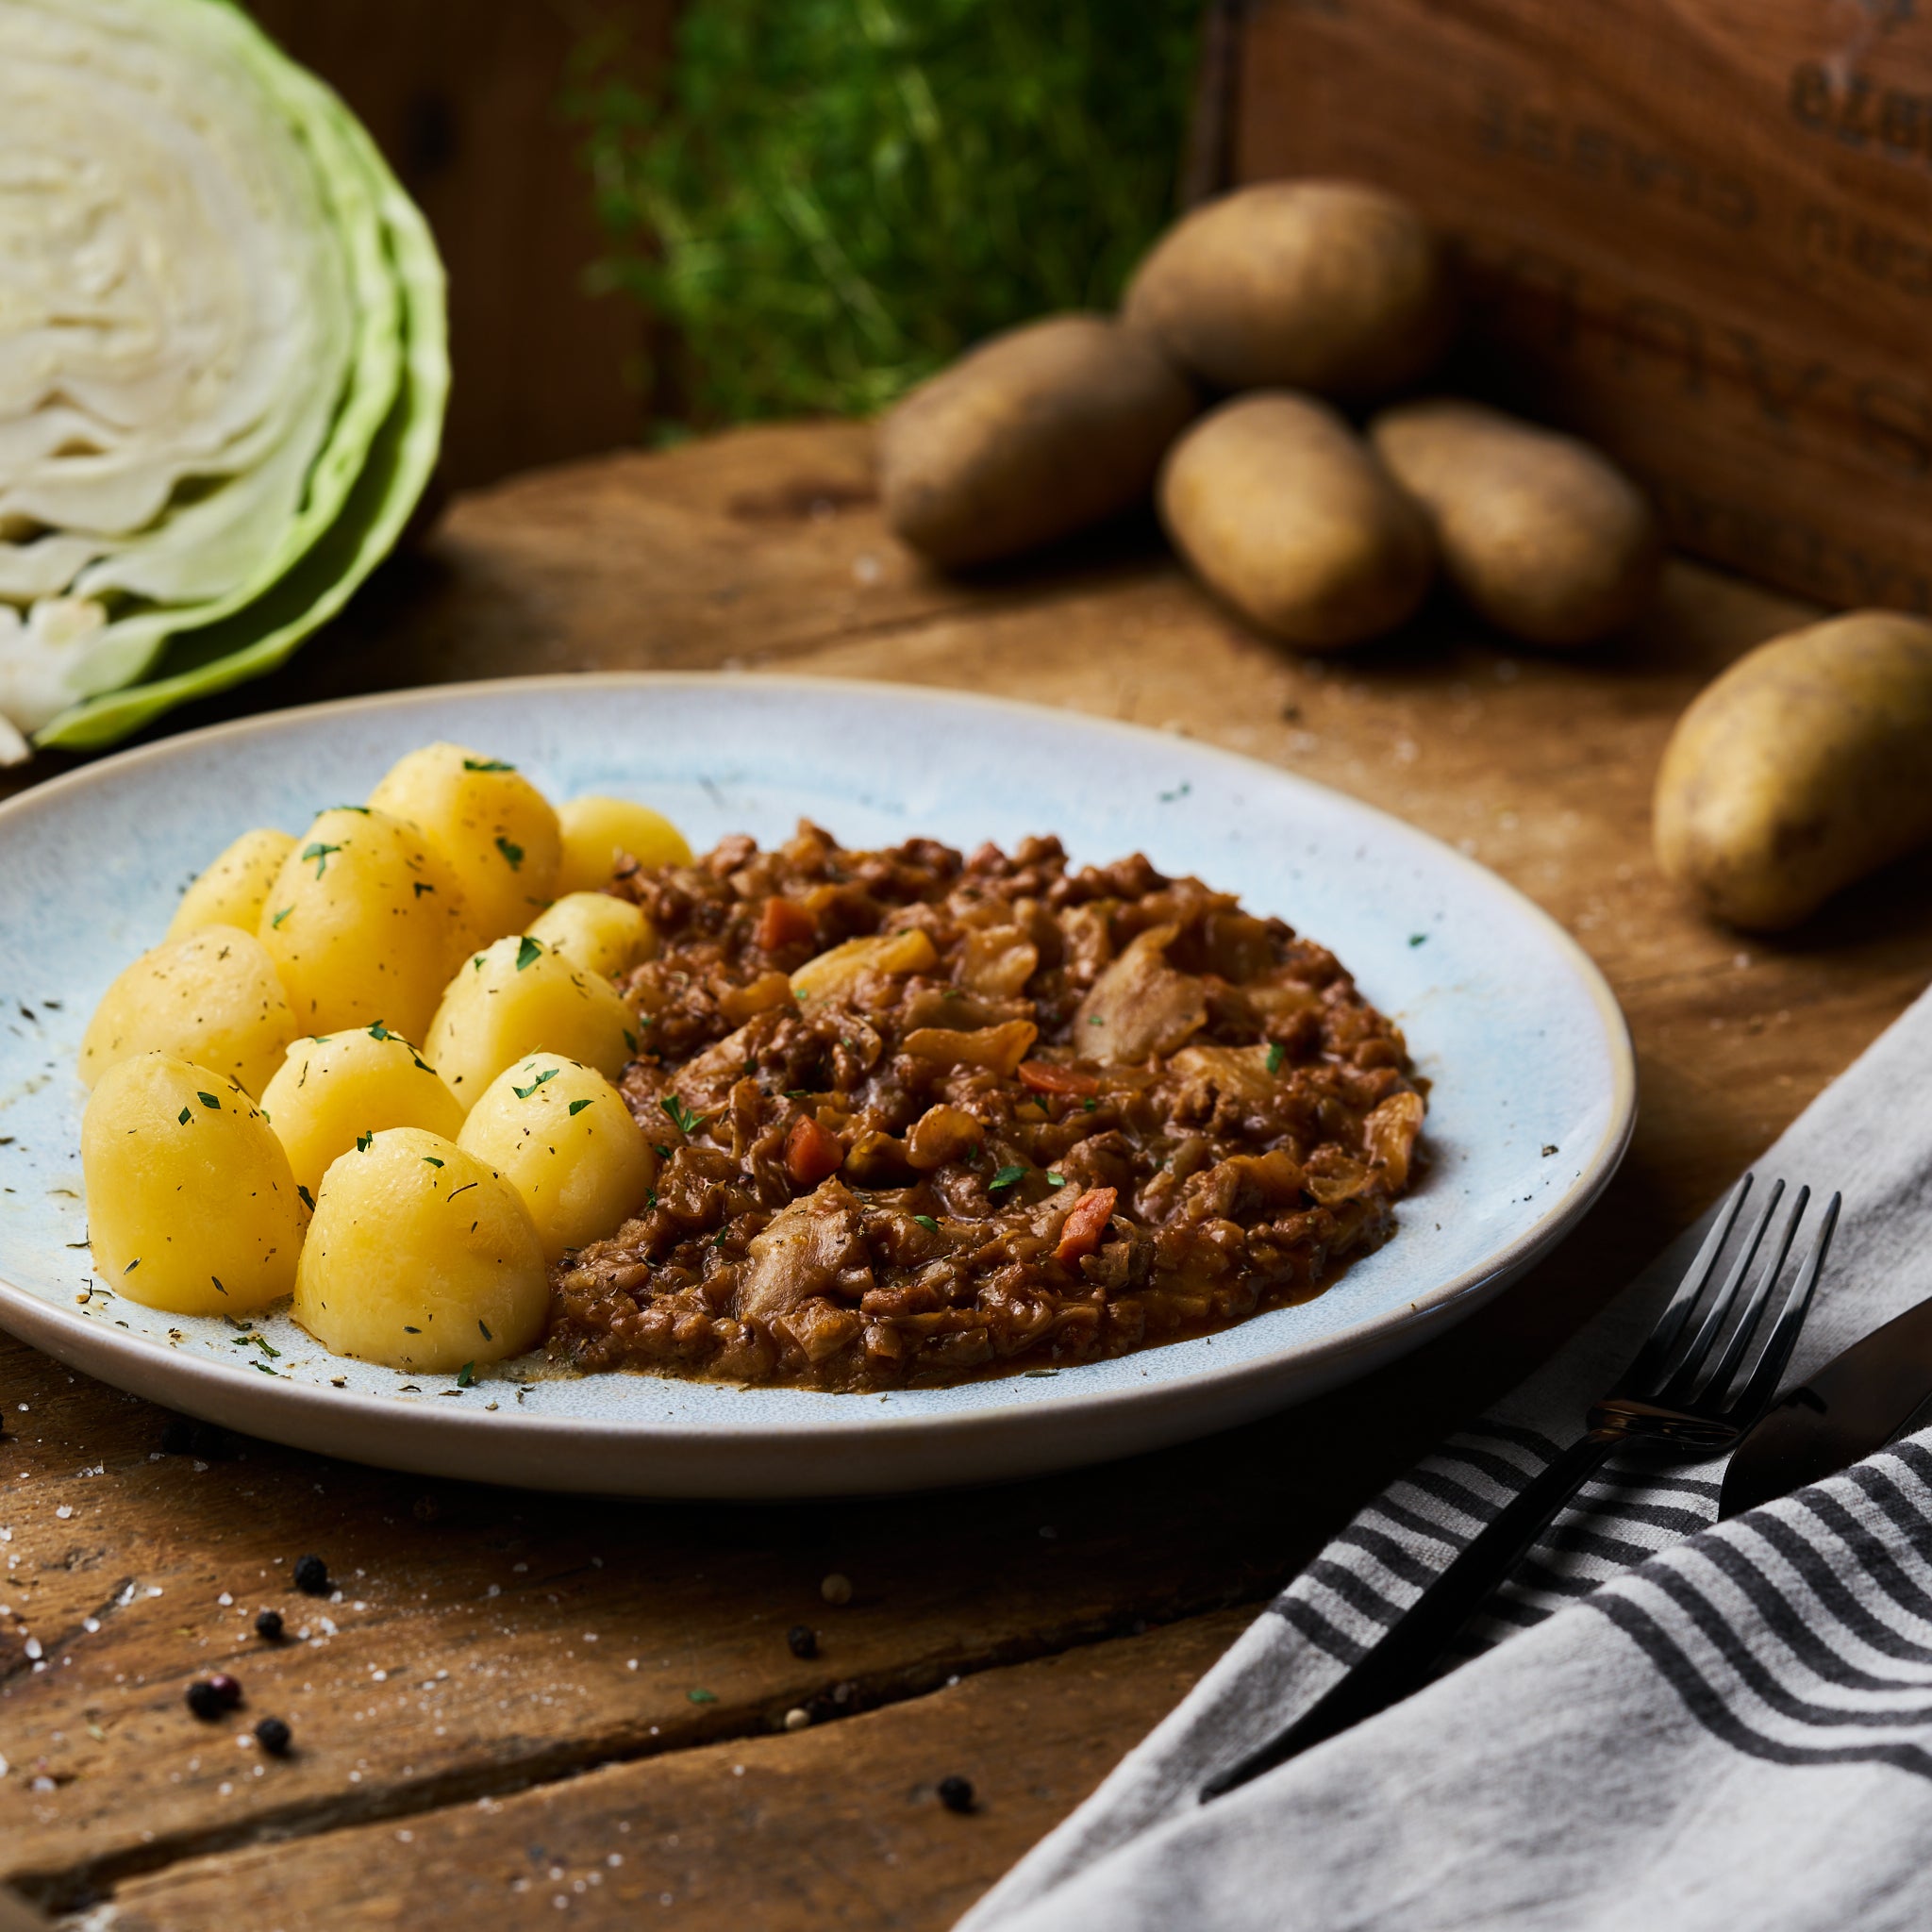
x: 1529, y: 1113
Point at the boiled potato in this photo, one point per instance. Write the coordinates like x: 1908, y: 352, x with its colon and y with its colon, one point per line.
x: 560, y: 1134
x: 494, y: 828
x: 421, y: 1257
x: 1287, y: 514
x: 212, y: 998
x: 364, y: 923
x: 190, y: 1206
x: 332, y: 1092
x: 520, y: 996
x: 1030, y: 437
x: 1542, y: 535
x: 231, y: 890
x: 595, y: 931
x: 603, y: 835
x: 1329, y: 285
x: 1801, y: 769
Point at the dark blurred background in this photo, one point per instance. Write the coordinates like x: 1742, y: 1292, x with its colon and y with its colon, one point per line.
x: 661, y: 217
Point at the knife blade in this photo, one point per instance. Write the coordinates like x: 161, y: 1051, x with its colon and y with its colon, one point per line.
x: 1853, y: 1406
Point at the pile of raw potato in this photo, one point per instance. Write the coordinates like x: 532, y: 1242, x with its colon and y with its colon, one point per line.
x: 261, y: 1122
x: 1796, y: 771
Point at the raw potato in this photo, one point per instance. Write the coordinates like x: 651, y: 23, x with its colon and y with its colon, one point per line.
x: 1542, y: 535
x: 1030, y: 437
x: 1801, y: 769
x: 331, y: 1093
x: 212, y: 998
x: 231, y: 890
x: 520, y: 996
x: 603, y: 835
x: 190, y: 1201
x: 1329, y: 285
x: 598, y: 932
x: 420, y: 1257
x: 492, y: 828
x: 364, y: 923
x: 560, y: 1134
x: 1285, y: 511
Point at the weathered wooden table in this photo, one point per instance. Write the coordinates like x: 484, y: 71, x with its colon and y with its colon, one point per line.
x: 526, y: 1704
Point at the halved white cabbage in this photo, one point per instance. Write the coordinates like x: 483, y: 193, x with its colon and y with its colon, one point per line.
x: 222, y: 363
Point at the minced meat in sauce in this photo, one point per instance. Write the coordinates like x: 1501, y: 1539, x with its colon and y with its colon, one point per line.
x: 921, y: 1118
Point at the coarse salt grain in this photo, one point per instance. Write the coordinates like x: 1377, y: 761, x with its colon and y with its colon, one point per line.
x: 65, y: 1511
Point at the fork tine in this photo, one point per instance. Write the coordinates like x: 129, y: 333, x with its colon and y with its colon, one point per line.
x: 1762, y: 1382
x: 1690, y: 1356
x: 1716, y: 1379
x: 1645, y: 1370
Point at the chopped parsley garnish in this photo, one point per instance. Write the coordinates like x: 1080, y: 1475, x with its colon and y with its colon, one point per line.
x: 528, y: 952
x: 1089, y: 1105
x: 686, y: 1122
x: 466, y: 1374
x: 514, y: 853
x: 1276, y: 1053
x: 207, y: 1100
x: 1005, y: 1177
x: 217, y: 1280
x: 630, y: 1040
x: 576, y: 1107
x: 320, y: 853
x: 1055, y: 1180
x: 651, y: 1197
x: 380, y: 1032
x: 408, y: 1330
x: 430, y: 1160
x: 1180, y: 791
x: 701, y: 1696
x: 307, y: 1199
x: 525, y: 1093
x: 927, y: 1222
x: 723, y: 1235
x: 184, y: 1116
x: 362, y: 1142
x: 662, y: 1153
x: 1416, y: 939
x: 484, y: 1326
x: 1095, y: 1020
x: 277, y: 921
x: 487, y: 765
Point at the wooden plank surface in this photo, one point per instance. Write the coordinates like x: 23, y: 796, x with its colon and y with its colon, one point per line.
x: 478, y: 1671
x: 1695, y: 230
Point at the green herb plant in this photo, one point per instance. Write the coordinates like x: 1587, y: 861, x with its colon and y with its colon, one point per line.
x: 827, y: 201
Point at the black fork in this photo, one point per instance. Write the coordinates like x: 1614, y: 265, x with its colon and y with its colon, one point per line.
x: 1687, y: 1395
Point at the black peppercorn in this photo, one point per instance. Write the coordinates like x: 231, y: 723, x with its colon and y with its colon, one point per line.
x: 272, y: 1734
x: 268, y: 1624
x: 311, y: 1576
x: 803, y: 1639
x: 205, y: 1701
x: 226, y: 1687
x: 956, y: 1793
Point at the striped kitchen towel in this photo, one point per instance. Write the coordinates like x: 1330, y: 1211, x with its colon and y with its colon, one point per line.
x: 1660, y: 1721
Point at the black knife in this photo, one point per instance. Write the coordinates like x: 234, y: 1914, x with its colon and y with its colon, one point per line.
x: 1853, y: 1406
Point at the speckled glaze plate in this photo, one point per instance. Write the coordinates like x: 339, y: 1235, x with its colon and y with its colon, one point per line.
x: 1530, y: 1111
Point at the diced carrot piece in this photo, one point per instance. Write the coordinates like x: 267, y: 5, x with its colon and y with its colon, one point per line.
x: 811, y: 1155
x: 1081, y: 1230
x: 784, y: 922
x: 1043, y: 1076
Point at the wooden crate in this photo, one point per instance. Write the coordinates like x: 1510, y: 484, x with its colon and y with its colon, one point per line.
x: 1698, y: 231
